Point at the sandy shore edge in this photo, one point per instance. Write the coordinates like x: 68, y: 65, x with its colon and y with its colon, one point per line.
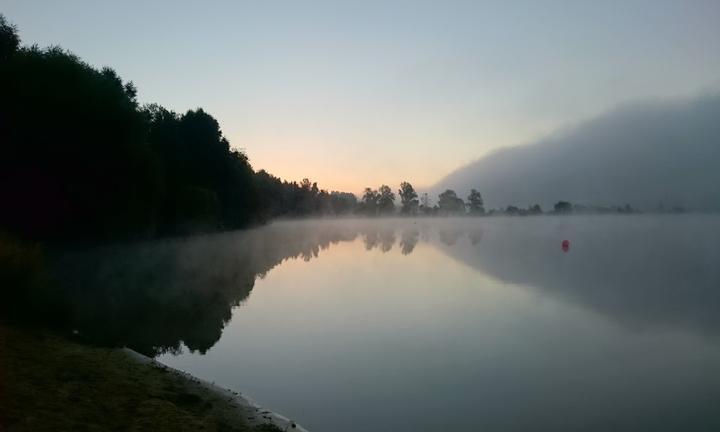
x: 252, y: 412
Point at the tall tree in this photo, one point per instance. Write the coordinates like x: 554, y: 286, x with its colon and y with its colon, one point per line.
x: 475, y: 203
x: 563, y: 207
x: 75, y: 162
x: 369, y: 202
x: 449, y: 203
x: 207, y: 184
x: 386, y: 201
x: 408, y: 199
x: 9, y: 39
x: 342, y: 202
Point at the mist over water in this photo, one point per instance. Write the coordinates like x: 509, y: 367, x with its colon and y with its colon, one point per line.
x: 224, y: 201
x: 428, y: 324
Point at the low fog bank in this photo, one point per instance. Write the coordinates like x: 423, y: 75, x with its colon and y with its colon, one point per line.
x: 650, y: 155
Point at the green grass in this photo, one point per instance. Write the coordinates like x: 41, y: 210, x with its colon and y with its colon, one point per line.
x: 48, y: 383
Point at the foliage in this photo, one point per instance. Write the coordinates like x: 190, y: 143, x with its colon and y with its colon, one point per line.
x: 475, y: 203
x: 75, y: 157
x: 386, y: 200
x: 82, y: 161
x: 408, y: 199
x: 449, y: 203
x: 277, y: 198
x: 207, y: 185
x: 513, y: 211
x: 9, y: 40
x: 563, y: 207
x: 369, y: 202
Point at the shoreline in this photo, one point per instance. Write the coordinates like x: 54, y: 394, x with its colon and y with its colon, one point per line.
x: 254, y: 414
x: 49, y: 382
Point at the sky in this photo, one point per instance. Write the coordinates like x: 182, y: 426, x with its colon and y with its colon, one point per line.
x: 356, y: 94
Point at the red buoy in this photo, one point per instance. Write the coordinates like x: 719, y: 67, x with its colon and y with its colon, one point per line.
x: 565, y: 245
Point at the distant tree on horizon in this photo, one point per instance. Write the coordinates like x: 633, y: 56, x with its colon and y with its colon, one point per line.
x: 512, y: 210
x: 408, y: 199
x: 563, y: 207
x: 475, y: 203
x: 449, y: 203
x: 369, y: 202
x: 386, y: 200
x: 343, y: 202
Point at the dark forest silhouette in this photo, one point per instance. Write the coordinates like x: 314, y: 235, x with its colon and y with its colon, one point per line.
x: 83, y: 160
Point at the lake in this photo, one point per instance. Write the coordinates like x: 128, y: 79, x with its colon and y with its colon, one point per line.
x: 430, y: 324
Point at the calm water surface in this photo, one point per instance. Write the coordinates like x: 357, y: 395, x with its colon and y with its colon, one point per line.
x: 430, y: 324
x: 482, y: 325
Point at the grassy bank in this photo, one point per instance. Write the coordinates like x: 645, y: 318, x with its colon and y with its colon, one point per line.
x: 48, y: 383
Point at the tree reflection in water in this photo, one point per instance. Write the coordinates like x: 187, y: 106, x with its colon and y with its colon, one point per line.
x: 155, y: 297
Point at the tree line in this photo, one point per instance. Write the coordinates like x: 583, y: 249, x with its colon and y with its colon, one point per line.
x: 82, y: 159
x: 381, y: 202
